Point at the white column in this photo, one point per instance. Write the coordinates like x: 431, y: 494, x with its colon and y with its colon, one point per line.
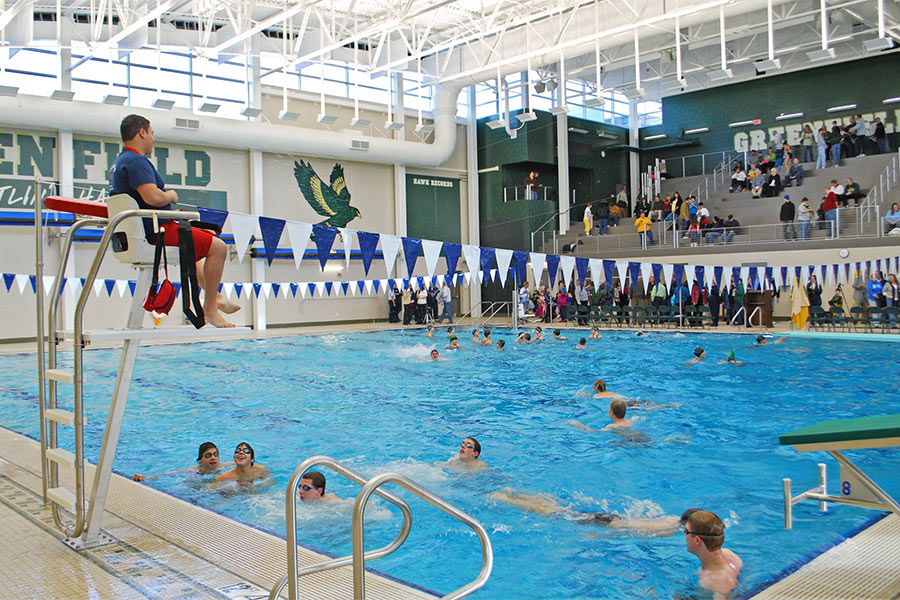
x: 473, y: 230
x: 257, y: 265
x: 562, y: 156
x: 634, y: 164
x: 66, y: 188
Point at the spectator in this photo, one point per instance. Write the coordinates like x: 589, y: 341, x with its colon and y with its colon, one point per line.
x: 880, y: 137
x: 588, y: 220
x: 778, y: 144
x: 892, y: 219
x: 714, y: 300
x: 829, y: 205
x: 861, y: 133
x: 663, y: 173
x: 822, y: 158
x: 407, y: 305
x: 684, y: 215
x: 874, y: 288
x: 737, y: 300
x: 657, y: 209
x: 757, y: 182
x: 814, y: 291
x: 531, y: 186
x: 622, y: 201
x: 807, y: 142
x: 891, y: 293
x: 835, y: 141
x: 644, y: 227
x: 702, y: 213
x: 642, y: 206
x: 804, y: 217
x: 694, y: 231
x: 773, y: 184
x: 787, y: 219
x: 738, y: 180
x: 795, y: 173
x: 447, y: 297
x: 838, y: 190
x: 859, y: 290
x: 714, y: 231
x: 732, y: 228
x: 562, y: 302
x: 603, y: 217
x: 658, y: 293
x: 851, y: 191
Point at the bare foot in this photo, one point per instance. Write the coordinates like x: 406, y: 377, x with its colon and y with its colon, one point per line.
x: 215, y: 319
x: 226, y: 306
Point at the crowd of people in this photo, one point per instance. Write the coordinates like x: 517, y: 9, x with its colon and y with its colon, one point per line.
x: 431, y: 303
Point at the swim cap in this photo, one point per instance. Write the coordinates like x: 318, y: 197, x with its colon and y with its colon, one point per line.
x: 698, y: 351
x: 760, y: 338
x: 556, y: 332
x: 731, y: 355
x: 538, y: 328
x: 453, y: 337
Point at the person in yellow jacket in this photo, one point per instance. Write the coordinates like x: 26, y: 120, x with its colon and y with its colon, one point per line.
x: 644, y: 224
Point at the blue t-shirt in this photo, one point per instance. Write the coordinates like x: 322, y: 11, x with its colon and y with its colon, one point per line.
x: 874, y: 288
x: 130, y: 171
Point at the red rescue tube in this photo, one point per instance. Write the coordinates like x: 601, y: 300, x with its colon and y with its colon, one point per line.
x: 78, y: 207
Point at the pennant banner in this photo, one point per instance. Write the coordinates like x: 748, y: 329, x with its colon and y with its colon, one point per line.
x: 367, y: 243
x: 298, y: 234
x: 271, y: 234
x: 411, y: 248
x: 432, y: 252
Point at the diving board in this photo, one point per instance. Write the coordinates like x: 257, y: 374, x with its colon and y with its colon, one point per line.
x: 833, y: 436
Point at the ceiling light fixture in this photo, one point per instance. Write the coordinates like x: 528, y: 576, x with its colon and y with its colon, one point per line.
x: 163, y: 104
x: 743, y: 123
x: 840, y: 108
x: 657, y: 136
x: 784, y: 116
x: 697, y: 130
x: 251, y: 112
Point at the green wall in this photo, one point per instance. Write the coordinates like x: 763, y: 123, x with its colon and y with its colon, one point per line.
x: 866, y: 83
x: 432, y: 208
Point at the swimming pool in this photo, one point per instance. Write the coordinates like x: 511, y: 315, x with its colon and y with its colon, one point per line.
x: 367, y: 400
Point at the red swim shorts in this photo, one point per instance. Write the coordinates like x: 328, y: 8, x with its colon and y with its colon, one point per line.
x: 202, y: 238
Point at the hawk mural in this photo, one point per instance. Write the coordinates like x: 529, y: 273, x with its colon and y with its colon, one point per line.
x: 332, y: 201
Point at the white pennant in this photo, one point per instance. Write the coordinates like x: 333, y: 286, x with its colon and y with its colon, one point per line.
x: 266, y: 289
x: 98, y: 287
x: 347, y: 236
x: 504, y: 257
x: 320, y: 287
x: 473, y: 257
x: 744, y: 271
x: 228, y: 289
x: 121, y: 286
x: 709, y: 274
x: 646, y: 271
x: 48, y: 283
x: 390, y: 245
x: 74, y: 286
x: 537, y: 266
x: 467, y: 279
x: 432, y: 250
x: 566, y: 264
x: 303, y: 288
x: 622, y: 271
x: 829, y: 272
x: 779, y: 278
x: 368, y: 284
x: 298, y: 234
x: 285, y: 289
x: 596, y: 267
x: 668, y: 271
x: 22, y: 281
x: 353, y: 287
x: 804, y: 275
x: 243, y: 227
x: 382, y: 285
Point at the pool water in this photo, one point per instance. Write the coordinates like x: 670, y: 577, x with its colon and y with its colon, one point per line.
x: 366, y: 399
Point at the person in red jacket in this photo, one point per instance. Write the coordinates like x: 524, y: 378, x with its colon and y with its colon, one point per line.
x: 829, y: 205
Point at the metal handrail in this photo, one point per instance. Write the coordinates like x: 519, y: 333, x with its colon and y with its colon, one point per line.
x: 876, y: 193
x: 471, y: 310
x: 559, y: 213
x: 293, y: 574
x: 494, y: 308
x: 359, y: 509
x: 86, y: 290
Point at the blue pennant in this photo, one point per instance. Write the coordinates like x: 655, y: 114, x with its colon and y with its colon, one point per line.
x: 406, y: 283
x: 520, y: 264
x: 552, y: 267
x: 448, y: 279
x: 377, y: 282
x: 256, y: 289
x: 33, y: 281
x: 132, y: 285
x: 271, y: 234
x: 699, y: 272
x: 367, y: 243
x: 736, y: 273
x: 294, y: 287
x: 110, y: 284
x: 769, y: 276
x: 784, y: 275
x: 66, y: 280
x: 238, y: 288
x: 391, y: 284
x: 275, y: 287
x: 361, y: 285
x: 312, y: 289
x: 411, y: 248
x: 328, y: 286
x: 421, y: 281
x: 345, y: 285
x: 657, y: 270
x: 678, y: 274
x: 581, y: 266
x: 634, y: 271
x: 213, y: 215
x: 717, y: 276
x: 324, y: 240
x: 451, y: 254
x: 487, y: 262
x: 753, y: 276
x: 608, y: 266
x: 8, y: 279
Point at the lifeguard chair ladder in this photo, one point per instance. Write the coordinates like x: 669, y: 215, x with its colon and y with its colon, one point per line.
x: 121, y: 218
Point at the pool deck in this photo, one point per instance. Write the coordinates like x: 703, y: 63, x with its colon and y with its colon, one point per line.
x: 166, y: 548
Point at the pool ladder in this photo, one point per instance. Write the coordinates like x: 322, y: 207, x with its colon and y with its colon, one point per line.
x: 85, y: 532
x: 358, y: 558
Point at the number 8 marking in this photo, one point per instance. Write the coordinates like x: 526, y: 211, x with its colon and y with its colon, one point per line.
x: 845, y: 488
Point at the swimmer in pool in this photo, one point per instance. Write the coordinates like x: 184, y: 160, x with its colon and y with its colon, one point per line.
x: 617, y: 410
x: 451, y: 331
x: 207, y: 464
x: 487, y: 341
x: 762, y: 341
x: 312, y: 488
x: 454, y: 343
x: 475, y: 338
x: 699, y: 354
x: 524, y: 338
x: 434, y: 355
x: 731, y: 358
x: 538, y: 334
x: 430, y: 332
x: 581, y: 345
x: 704, y: 535
x: 558, y: 336
x: 600, y: 391
x: 546, y: 505
x: 500, y: 345
x: 245, y: 470
x: 595, y: 333
x: 468, y: 456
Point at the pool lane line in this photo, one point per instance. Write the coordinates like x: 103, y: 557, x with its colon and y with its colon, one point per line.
x: 800, y: 562
x: 127, y: 563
